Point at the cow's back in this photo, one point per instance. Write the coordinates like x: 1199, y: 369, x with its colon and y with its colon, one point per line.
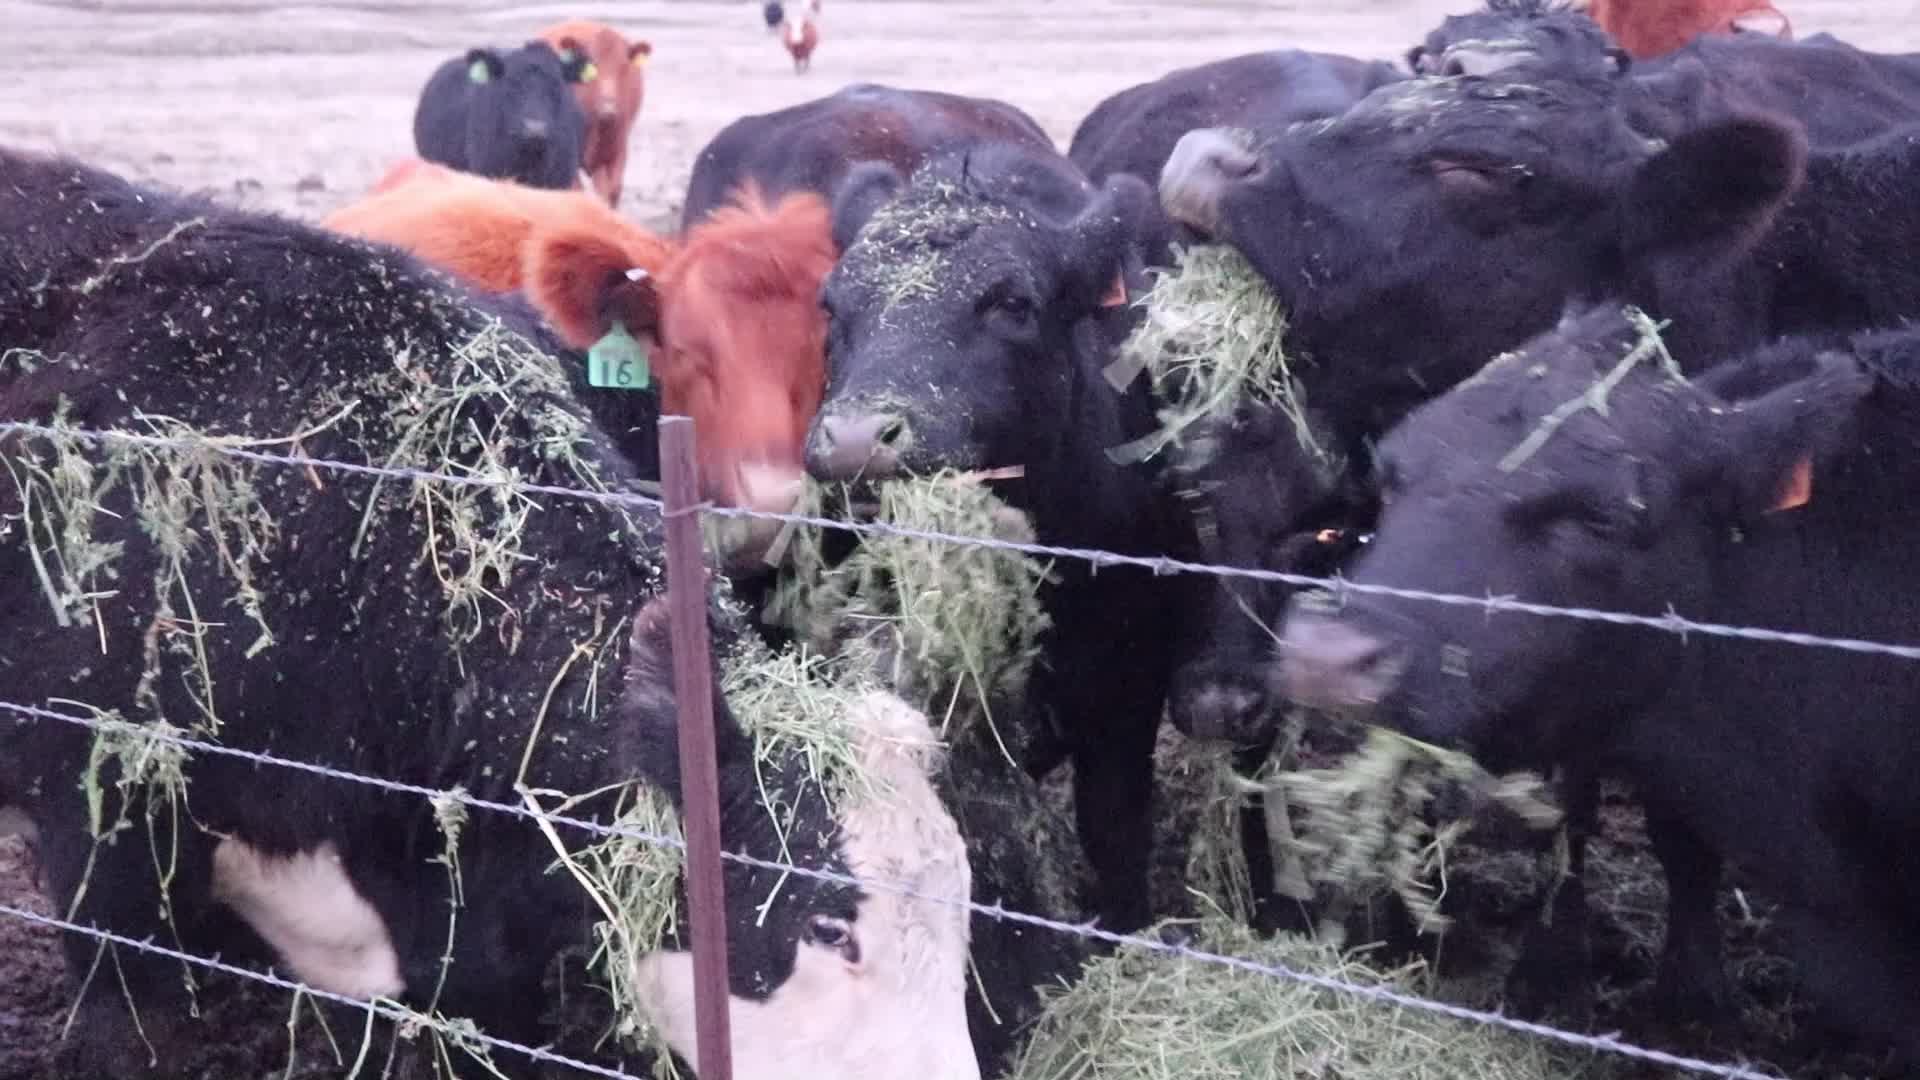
x: 812, y: 146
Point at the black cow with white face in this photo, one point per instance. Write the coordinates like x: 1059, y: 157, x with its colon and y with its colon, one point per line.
x: 972, y: 313
x: 1587, y: 471
x: 396, y: 632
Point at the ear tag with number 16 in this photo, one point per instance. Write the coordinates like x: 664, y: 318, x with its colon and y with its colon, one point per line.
x: 617, y: 361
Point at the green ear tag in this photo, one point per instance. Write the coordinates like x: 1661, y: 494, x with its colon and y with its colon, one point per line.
x: 617, y: 361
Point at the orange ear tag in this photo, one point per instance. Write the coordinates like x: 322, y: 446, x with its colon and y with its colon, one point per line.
x: 1796, y: 488
x: 1117, y: 295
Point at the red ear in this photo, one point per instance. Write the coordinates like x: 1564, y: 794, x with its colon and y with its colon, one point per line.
x: 579, y: 282
x: 1117, y: 295
x: 1796, y: 488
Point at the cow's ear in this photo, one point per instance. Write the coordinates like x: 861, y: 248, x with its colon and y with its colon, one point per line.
x: 866, y: 189
x: 639, y: 53
x: 1771, y: 447
x: 583, y: 282
x: 1102, y: 244
x: 484, y: 65
x: 649, y: 705
x: 1713, y: 192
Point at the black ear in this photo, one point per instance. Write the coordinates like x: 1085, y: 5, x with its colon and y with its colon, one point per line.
x: 866, y: 189
x: 484, y: 65
x: 1102, y: 244
x: 1771, y: 446
x: 649, y: 707
x: 1715, y: 190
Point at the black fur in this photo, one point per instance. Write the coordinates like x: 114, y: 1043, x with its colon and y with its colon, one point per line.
x: 1002, y: 365
x: 1790, y: 762
x: 118, y: 303
x: 522, y: 123
x: 814, y: 145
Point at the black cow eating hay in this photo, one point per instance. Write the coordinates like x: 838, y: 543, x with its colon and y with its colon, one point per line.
x: 459, y: 638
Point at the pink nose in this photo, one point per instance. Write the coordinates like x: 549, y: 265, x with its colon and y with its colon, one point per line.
x: 765, y: 488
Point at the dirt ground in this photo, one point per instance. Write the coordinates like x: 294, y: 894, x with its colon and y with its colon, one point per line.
x: 299, y: 107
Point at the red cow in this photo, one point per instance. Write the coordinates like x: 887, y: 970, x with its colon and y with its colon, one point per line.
x: 1649, y: 28
x: 740, y: 340
x: 801, y: 33
x: 477, y: 228
x: 610, y: 97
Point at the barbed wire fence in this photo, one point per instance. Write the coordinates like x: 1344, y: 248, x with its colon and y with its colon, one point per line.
x: 1671, y: 623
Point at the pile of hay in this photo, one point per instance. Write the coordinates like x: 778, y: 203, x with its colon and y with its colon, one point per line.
x: 1153, y: 1016
x: 952, y: 628
x: 1212, y: 340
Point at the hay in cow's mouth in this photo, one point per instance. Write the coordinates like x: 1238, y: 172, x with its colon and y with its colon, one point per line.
x: 951, y: 628
x: 1213, y: 338
x: 1149, y: 1016
x: 1381, y: 817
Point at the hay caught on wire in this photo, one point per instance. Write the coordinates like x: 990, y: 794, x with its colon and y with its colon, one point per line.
x: 951, y: 628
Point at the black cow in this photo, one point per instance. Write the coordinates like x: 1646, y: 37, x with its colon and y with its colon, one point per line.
x: 971, y: 313
x: 774, y: 13
x: 507, y: 115
x: 1548, y: 33
x: 813, y: 145
x: 1838, y: 93
x: 1134, y: 130
x: 1771, y: 491
x: 406, y: 632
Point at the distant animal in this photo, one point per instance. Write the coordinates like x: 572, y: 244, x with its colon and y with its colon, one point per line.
x: 507, y: 115
x: 472, y: 644
x: 774, y: 13
x: 1767, y: 491
x: 801, y: 34
x: 1650, y: 28
x: 1552, y: 35
x: 610, y: 89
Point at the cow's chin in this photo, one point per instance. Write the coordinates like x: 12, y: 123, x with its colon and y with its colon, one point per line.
x: 828, y: 1020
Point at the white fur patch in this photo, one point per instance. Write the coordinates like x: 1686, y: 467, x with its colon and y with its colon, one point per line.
x: 304, y: 906
x: 900, y: 1012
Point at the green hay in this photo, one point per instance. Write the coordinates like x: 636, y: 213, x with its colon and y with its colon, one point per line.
x: 1648, y: 347
x: 1150, y: 1016
x: 951, y: 628
x: 1382, y: 819
x: 904, y: 250
x: 1212, y: 339
x: 794, y: 707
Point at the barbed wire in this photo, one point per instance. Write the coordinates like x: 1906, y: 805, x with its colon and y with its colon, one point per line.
x: 1382, y: 995
x: 1672, y: 622
x: 397, y: 1013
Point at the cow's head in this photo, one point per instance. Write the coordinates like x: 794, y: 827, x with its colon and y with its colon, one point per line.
x: 826, y: 979
x: 971, y: 312
x: 736, y: 332
x: 1477, y: 232
x: 1550, y: 34
x: 521, y: 102
x: 1583, y: 471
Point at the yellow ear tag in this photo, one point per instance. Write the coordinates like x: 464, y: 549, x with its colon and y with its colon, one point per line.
x: 589, y: 73
x: 640, y: 59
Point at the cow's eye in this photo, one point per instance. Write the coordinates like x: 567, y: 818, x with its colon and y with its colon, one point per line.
x: 830, y: 932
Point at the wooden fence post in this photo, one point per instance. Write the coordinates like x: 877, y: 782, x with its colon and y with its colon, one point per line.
x: 687, y: 599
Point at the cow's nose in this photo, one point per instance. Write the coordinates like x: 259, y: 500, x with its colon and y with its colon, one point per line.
x: 863, y: 445
x: 1328, y: 664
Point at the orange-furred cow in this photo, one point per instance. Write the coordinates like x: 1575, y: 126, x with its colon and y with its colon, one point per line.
x: 1649, y: 28
x: 801, y: 33
x: 739, y: 337
x: 477, y: 229
x: 611, y: 97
